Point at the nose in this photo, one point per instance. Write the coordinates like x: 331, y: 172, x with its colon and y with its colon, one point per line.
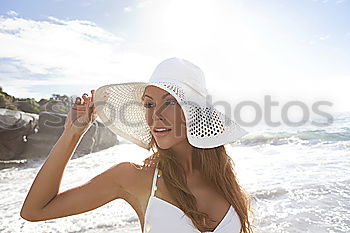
x: 157, y: 114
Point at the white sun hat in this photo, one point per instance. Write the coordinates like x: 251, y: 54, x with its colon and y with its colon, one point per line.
x: 121, y: 108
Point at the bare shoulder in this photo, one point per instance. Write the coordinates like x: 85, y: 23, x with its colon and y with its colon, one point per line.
x: 136, y: 181
x: 134, y: 177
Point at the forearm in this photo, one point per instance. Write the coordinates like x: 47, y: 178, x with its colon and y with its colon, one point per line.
x: 47, y: 182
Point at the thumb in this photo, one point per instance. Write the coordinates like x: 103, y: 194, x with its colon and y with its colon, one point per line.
x: 90, y: 111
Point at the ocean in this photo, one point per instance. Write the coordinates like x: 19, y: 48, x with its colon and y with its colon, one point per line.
x: 298, y: 179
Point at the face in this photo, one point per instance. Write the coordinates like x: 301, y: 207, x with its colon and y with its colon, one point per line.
x: 163, y: 111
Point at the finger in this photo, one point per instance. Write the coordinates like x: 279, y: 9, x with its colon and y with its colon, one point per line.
x: 77, y: 103
x: 92, y: 112
x: 85, y: 97
x: 89, y: 101
x: 78, y: 100
x: 92, y: 95
x: 87, y: 106
x: 79, y: 107
x: 90, y: 109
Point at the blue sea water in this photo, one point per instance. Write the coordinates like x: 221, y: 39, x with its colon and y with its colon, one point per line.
x: 298, y: 179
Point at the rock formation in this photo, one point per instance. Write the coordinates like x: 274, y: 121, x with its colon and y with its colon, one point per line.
x: 25, y: 135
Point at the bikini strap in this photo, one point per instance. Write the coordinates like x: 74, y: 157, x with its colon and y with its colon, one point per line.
x: 154, y: 184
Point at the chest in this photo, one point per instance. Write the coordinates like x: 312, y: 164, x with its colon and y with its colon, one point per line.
x: 208, y: 198
x: 162, y: 212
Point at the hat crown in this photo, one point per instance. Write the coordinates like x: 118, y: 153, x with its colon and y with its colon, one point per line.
x: 180, y: 70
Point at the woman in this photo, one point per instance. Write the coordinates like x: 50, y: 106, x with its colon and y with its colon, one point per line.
x: 188, y: 183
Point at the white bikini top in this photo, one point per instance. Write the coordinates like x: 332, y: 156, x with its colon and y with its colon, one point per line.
x: 164, y: 217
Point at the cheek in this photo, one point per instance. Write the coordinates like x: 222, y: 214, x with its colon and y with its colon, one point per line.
x: 148, y: 116
x: 182, y: 118
x: 169, y: 117
x: 173, y: 117
x: 179, y: 123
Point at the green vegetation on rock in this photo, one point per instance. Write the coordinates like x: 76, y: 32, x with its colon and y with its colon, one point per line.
x: 56, y: 103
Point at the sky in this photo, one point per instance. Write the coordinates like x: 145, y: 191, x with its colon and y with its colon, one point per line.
x: 248, y: 49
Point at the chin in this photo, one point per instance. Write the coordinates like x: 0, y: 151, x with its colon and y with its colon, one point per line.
x: 165, y: 143
x: 168, y: 144
x: 164, y: 146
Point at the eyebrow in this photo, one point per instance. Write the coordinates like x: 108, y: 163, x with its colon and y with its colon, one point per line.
x: 152, y: 98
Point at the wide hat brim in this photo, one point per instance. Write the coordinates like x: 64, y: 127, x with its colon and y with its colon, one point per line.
x: 121, y: 109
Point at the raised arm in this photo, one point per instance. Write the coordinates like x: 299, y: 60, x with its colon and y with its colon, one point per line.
x: 43, y: 201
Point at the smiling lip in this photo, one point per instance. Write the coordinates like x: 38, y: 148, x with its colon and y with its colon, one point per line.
x: 161, y: 134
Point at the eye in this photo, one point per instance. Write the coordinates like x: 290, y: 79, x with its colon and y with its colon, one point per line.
x: 172, y: 102
x: 147, y: 105
x: 167, y: 102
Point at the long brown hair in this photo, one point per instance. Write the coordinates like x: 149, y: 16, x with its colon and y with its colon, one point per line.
x: 217, y: 169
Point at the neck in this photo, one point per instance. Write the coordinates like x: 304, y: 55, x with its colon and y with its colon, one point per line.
x: 183, y: 153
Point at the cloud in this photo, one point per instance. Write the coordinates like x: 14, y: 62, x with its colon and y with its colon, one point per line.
x: 58, y: 52
x: 326, y: 37
x: 331, y: 1
x: 41, y: 57
x: 340, y: 1
x: 127, y: 9
x: 140, y: 4
x: 321, y: 1
x: 316, y: 39
x: 143, y: 3
x: 12, y: 13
